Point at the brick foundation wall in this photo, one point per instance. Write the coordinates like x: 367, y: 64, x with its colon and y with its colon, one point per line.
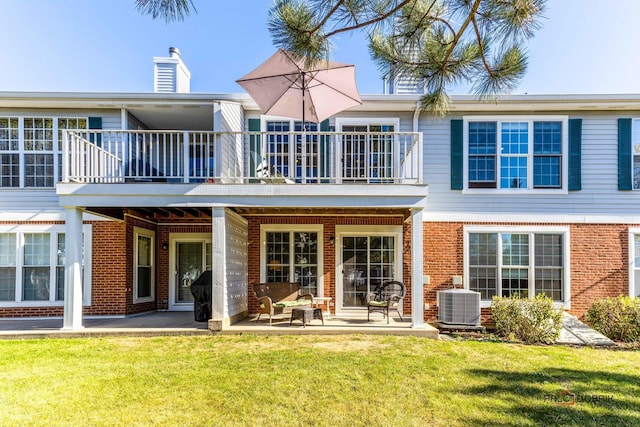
x: 599, y: 260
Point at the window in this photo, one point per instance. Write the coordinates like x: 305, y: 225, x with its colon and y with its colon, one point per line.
x: 7, y: 267
x: 32, y: 265
x: 523, y: 263
x: 293, y: 256
x: 516, y: 153
x: 634, y: 265
x: 143, y: 269
x: 299, y: 162
x: 9, y: 152
x: 36, y: 267
x: 60, y: 266
x: 33, y: 157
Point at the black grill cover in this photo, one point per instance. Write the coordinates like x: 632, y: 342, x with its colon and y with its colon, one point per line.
x: 201, y: 291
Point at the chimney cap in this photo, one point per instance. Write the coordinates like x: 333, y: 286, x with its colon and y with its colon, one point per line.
x: 174, y: 52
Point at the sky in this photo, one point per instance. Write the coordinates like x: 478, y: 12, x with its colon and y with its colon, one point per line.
x: 584, y: 47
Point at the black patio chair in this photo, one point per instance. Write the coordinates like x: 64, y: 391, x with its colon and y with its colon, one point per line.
x: 387, y: 296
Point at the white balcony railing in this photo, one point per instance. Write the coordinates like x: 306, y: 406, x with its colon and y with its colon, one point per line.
x: 242, y: 157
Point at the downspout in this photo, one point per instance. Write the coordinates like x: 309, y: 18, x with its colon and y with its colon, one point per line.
x: 416, y: 117
x: 417, y: 268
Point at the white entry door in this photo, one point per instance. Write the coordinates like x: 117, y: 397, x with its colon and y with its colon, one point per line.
x: 190, y: 255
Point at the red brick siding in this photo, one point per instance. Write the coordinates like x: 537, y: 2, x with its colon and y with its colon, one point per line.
x: 599, y: 263
x: 109, y: 268
x: 329, y: 256
x: 162, y: 258
x: 598, y: 266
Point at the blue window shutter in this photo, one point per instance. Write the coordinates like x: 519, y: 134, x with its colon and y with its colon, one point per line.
x: 624, y: 154
x: 95, y: 123
x: 575, y: 154
x: 457, y: 156
x: 324, y: 151
x: 255, y: 152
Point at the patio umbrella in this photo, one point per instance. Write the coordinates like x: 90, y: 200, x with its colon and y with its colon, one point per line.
x: 283, y: 86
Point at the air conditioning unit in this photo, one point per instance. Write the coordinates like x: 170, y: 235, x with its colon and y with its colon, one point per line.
x: 459, y: 307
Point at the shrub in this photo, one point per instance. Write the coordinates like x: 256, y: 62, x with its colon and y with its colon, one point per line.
x: 618, y: 318
x: 530, y: 320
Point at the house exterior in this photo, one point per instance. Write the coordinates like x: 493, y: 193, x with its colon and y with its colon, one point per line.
x: 112, y: 204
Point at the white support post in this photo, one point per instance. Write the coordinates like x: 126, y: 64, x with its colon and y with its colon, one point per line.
x: 72, y: 317
x: 219, y: 271
x: 187, y: 157
x: 218, y: 140
x: 417, y: 290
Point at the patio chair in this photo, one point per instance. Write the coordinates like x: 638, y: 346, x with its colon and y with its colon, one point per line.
x: 387, y: 296
x: 269, y: 174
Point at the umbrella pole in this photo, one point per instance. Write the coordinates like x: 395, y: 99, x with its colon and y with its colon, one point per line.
x: 304, y: 89
x: 304, y: 131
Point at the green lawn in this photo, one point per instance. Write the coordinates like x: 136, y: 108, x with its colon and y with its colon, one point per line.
x: 309, y: 380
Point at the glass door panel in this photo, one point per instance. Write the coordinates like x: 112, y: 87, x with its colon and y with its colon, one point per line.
x: 189, y: 262
x: 367, y: 262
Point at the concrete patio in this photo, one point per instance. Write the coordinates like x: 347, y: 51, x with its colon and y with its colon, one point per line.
x: 182, y: 323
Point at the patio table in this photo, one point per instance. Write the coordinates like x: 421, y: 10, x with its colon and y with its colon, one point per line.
x: 305, y: 315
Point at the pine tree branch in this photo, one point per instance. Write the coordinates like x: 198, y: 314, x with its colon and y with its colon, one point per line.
x: 481, y: 44
x: 326, y: 18
x: 371, y: 21
x: 463, y: 28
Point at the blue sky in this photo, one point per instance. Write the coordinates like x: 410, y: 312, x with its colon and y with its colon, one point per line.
x: 585, y: 46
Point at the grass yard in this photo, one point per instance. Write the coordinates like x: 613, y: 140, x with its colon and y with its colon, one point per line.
x: 313, y: 380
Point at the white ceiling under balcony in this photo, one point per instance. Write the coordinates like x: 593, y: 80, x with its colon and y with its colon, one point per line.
x: 173, y: 111
x: 174, y: 117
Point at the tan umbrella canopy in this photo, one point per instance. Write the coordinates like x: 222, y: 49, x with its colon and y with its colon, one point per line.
x: 283, y: 86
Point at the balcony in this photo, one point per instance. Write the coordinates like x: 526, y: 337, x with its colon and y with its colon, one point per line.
x: 303, y: 158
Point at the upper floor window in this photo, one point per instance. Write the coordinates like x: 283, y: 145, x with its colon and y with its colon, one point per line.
x: 30, y: 149
x: 516, y: 153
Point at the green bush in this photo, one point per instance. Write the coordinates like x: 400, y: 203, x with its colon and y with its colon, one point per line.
x: 530, y: 320
x: 618, y: 318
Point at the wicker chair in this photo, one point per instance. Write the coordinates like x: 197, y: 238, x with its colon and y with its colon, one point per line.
x: 387, y: 296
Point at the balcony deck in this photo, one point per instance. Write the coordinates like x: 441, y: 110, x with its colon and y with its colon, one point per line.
x: 268, y: 169
x: 118, y: 157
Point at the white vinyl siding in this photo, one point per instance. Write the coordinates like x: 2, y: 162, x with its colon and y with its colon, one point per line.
x: 599, y: 200
x: 231, y: 155
x: 165, y: 78
x: 236, y: 264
